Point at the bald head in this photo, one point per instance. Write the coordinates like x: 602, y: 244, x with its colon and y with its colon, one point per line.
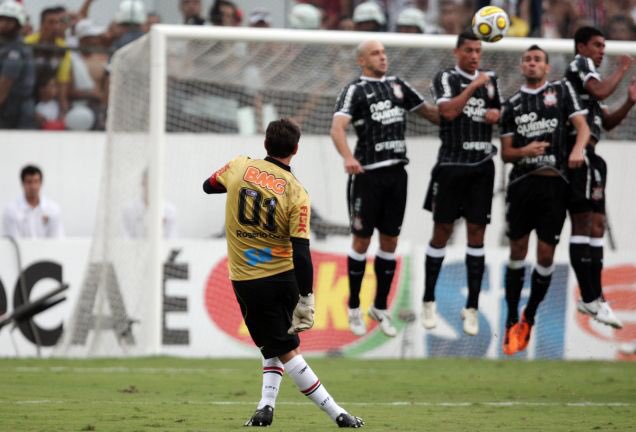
x: 372, y: 58
x: 367, y: 45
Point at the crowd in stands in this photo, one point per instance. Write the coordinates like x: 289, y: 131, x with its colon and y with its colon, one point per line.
x: 56, y: 77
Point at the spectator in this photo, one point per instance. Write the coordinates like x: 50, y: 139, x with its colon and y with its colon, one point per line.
x: 130, y: 17
x: 47, y: 108
x: 411, y: 20
x: 27, y: 28
x: 305, y: 16
x: 32, y: 215
x: 152, y: 19
x: 451, y: 19
x: 368, y: 16
x: 50, y: 51
x: 331, y: 11
x: 225, y: 13
x: 260, y: 18
x: 89, y: 70
x: 191, y: 12
x: 621, y: 27
x: 346, y: 23
x: 17, y: 70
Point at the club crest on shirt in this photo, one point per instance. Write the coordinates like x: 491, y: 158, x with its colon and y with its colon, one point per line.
x: 397, y: 91
x: 490, y: 90
x: 549, y: 98
x: 45, y: 219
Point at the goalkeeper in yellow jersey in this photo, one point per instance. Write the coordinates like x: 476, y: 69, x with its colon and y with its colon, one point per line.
x: 267, y: 229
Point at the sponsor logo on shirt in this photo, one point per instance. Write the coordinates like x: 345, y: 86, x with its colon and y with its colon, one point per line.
x: 302, y: 222
x: 530, y: 125
x: 265, y: 180
x: 475, y: 108
x: 385, y: 113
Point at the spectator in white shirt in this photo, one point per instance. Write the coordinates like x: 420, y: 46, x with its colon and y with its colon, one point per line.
x: 32, y: 215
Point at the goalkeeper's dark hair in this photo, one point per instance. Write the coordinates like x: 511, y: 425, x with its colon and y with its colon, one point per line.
x: 30, y: 170
x: 464, y: 36
x: 536, y: 47
x: 584, y: 34
x: 281, y: 138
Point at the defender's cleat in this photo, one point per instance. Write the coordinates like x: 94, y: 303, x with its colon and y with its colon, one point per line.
x: 346, y: 420
x: 429, y: 315
x: 262, y: 417
x: 356, y: 323
x: 471, y: 321
x: 606, y: 315
x: 590, y: 308
x: 523, y: 331
x: 510, y: 346
x: 383, y: 318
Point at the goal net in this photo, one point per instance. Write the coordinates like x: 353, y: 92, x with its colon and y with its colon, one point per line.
x: 184, y: 101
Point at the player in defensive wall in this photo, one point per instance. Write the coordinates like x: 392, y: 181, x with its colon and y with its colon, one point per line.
x: 462, y: 180
x: 534, y: 138
x: 376, y: 104
x: 586, y: 201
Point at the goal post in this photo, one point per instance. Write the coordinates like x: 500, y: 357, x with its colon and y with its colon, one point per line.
x: 184, y: 98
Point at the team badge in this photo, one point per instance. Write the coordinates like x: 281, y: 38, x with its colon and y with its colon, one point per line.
x: 397, y: 91
x: 490, y: 90
x: 597, y: 193
x: 549, y: 98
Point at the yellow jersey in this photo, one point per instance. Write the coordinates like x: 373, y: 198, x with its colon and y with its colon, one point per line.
x: 63, y: 69
x: 266, y: 205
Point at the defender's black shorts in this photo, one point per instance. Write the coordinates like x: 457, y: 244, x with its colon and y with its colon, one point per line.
x: 587, y: 185
x: 377, y: 199
x: 536, y: 203
x: 455, y: 191
x: 267, y: 305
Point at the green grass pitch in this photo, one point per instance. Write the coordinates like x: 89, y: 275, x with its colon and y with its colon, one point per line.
x: 170, y: 394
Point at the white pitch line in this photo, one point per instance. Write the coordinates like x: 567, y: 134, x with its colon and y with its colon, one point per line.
x: 123, y: 370
x: 499, y: 404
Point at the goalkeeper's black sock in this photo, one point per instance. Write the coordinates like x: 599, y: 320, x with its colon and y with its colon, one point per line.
x: 474, y: 273
x: 384, y: 266
x: 596, y: 265
x: 356, y: 263
x: 309, y: 385
x: 432, y: 267
x: 515, y: 273
x: 581, y: 264
x: 541, y: 277
x: 273, y: 370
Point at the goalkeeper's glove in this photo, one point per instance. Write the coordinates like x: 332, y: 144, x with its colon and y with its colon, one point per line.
x: 303, y: 316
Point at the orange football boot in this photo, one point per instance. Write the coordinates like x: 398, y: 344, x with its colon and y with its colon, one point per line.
x: 510, y: 345
x: 523, y: 332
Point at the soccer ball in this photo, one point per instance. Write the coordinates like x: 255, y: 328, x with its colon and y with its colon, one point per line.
x: 490, y: 23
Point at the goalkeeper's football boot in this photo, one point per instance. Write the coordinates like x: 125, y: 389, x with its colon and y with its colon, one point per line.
x: 471, y: 321
x: 356, y: 323
x: 346, y: 420
x: 429, y: 315
x: 383, y: 317
x: 262, y: 417
x: 510, y: 345
x: 524, y: 329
